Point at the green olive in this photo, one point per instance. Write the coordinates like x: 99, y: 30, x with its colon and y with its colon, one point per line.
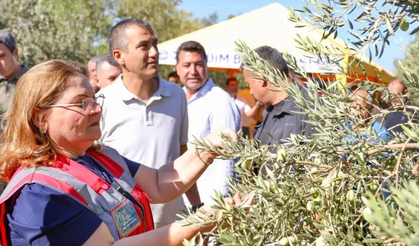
x: 350, y: 196
x: 374, y: 187
x: 359, y: 235
x: 278, y: 190
x: 219, y: 215
x: 246, y: 164
x: 326, y: 182
x: 318, y: 199
x: 367, y: 212
x: 281, y: 155
x: 229, y: 207
x: 339, y: 174
x: 320, y: 242
x: 310, y: 206
x: 314, y: 169
x: 404, y: 25
x: 284, y: 241
x: 293, y: 239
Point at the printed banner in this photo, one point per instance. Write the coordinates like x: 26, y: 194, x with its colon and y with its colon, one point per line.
x: 231, y: 60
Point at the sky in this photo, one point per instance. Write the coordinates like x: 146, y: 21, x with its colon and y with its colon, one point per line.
x: 224, y: 8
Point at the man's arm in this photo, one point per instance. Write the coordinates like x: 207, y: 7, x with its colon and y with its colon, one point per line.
x: 254, y: 112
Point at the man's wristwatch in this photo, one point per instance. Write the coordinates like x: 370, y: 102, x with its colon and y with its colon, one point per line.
x: 194, y: 208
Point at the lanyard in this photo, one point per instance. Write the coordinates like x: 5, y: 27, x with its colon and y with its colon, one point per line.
x: 109, y: 178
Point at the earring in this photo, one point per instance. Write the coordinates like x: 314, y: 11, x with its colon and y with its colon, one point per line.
x: 43, y: 130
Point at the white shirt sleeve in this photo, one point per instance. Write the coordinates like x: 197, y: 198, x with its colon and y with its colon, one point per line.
x: 226, y: 114
x: 247, y: 108
x: 185, y: 121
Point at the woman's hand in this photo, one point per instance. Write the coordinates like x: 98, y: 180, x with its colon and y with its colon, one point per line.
x: 209, y: 212
x: 219, y: 136
x: 216, y: 139
x: 237, y: 201
x: 172, y: 234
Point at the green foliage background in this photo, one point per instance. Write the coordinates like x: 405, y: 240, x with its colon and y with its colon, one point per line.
x: 410, y: 63
x: 78, y: 29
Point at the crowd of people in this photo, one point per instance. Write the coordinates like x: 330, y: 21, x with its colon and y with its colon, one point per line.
x: 85, y: 151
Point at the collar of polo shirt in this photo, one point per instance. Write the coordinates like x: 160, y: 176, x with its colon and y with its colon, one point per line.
x: 285, y: 106
x: 126, y: 95
x: 288, y: 104
x: 204, y: 89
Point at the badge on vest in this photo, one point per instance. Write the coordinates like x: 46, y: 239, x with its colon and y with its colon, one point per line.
x: 126, y: 218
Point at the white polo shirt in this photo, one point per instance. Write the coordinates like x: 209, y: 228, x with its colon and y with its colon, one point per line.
x: 209, y: 109
x: 245, y: 96
x: 243, y: 108
x: 150, y: 134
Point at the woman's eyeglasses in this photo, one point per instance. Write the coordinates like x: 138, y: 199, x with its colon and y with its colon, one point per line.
x: 88, y: 105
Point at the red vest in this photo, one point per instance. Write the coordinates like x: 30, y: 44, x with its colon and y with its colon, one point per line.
x: 124, y: 218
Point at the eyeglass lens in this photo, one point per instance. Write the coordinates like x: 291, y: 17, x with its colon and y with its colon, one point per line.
x: 90, y: 104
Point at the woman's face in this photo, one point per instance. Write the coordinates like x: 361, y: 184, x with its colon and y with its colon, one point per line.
x: 70, y: 128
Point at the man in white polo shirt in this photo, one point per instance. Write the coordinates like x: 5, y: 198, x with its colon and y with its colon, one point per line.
x: 209, y: 108
x: 144, y: 117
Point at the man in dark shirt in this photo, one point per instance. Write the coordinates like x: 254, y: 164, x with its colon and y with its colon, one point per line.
x: 398, y: 92
x: 279, y: 119
x: 10, y: 70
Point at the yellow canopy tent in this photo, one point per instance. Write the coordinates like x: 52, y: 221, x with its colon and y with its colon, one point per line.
x: 266, y: 26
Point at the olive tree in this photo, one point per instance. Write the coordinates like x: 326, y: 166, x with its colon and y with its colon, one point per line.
x: 343, y: 185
